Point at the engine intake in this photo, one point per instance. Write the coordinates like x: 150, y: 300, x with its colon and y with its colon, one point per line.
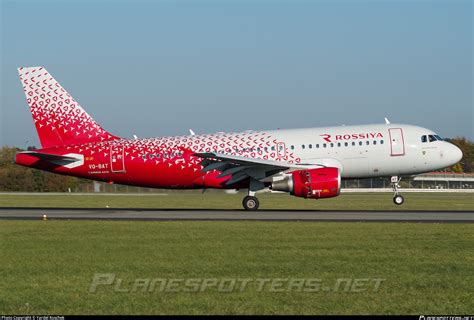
x: 313, y: 183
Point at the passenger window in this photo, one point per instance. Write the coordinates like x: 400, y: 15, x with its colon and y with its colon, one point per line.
x: 375, y: 142
x: 353, y: 143
x: 302, y: 146
x: 360, y: 143
x: 424, y: 139
x: 346, y: 144
x: 317, y: 145
x: 332, y: 144
x: 150, y: 156
x: 144, y: 156
x: 273, y: 148
x: 338, y: 144
x: 367, y: 142
x: 158, y: 156
x: 292, y: 147
x: 310, y: 146
x: 324, y: 145
x: 381, y: 141
x: 266, y: 149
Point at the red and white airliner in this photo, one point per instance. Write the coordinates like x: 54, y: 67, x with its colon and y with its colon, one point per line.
x: 308, y: 163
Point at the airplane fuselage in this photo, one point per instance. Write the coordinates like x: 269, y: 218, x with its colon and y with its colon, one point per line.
x: 307, y: 163
x: 169, y: 162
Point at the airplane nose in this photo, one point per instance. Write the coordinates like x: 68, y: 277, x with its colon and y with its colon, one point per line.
x: 455, y: 154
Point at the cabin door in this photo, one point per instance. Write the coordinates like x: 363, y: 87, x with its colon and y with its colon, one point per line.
x: 397, y: 143
x: 117, y: 159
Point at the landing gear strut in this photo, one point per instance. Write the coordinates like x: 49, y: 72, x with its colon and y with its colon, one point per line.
x: 397, y: 198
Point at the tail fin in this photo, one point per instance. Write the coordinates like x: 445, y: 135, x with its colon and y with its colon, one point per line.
x: 58, y: 118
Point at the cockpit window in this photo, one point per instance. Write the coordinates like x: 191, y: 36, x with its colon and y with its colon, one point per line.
x: 431, y: 138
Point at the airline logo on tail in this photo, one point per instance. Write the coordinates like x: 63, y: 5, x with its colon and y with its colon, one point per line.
x: 58, y: 118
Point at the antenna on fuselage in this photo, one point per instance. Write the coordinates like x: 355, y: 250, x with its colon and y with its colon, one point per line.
x: 386, y: 121
x: 192, y: 132
x: 135, y: 137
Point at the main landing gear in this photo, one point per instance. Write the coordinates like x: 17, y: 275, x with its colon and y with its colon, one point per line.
x: 397, y: 198
x: 250, y: 202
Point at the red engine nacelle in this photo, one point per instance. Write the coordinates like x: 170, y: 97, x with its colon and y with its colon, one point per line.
x: 313, y: 183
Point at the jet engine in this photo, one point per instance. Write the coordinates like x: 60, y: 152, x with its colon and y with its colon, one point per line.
x: 313, y: 183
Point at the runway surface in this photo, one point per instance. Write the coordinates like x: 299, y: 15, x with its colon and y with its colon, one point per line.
x: 236, y: 215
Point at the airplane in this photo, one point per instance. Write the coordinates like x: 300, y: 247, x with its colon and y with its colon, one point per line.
x: 308, y: 163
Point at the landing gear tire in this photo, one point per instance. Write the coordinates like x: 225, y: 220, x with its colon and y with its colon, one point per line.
x: 250, y: 203
x: 398, y: 199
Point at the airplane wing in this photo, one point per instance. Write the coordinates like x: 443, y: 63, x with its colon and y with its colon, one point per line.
x: 241, y: 168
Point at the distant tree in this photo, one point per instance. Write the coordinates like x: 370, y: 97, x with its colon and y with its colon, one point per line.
x: 457, y: 168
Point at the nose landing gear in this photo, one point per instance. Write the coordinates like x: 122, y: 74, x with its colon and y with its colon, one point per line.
x: 397, y: 198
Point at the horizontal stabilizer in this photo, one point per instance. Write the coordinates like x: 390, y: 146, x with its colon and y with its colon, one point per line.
x: 50, y: 157
x: 70, y: 160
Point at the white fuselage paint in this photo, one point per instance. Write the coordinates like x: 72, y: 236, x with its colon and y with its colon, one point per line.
x: 398, y: 149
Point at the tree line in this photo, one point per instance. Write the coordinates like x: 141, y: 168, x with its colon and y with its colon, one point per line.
x: 18, y: 178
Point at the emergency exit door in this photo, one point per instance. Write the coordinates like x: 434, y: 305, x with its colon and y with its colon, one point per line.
x: 281, y: 149
x: 397, y: 143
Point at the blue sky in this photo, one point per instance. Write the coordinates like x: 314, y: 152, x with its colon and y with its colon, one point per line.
x: 154, y: 68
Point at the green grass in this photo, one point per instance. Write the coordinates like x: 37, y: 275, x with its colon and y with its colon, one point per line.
x: 217, y: 200
x: 47, y: 266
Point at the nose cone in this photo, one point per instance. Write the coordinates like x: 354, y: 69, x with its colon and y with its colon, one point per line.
x: 454, y: 154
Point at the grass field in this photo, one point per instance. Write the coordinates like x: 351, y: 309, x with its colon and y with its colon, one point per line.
x: 48, y: 266
x: 218, y: 200
x: 423, y: 268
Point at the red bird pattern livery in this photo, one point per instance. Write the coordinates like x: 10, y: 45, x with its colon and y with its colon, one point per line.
x: 308, y: 163
x: 58, y: 118
x: 66, y: 129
